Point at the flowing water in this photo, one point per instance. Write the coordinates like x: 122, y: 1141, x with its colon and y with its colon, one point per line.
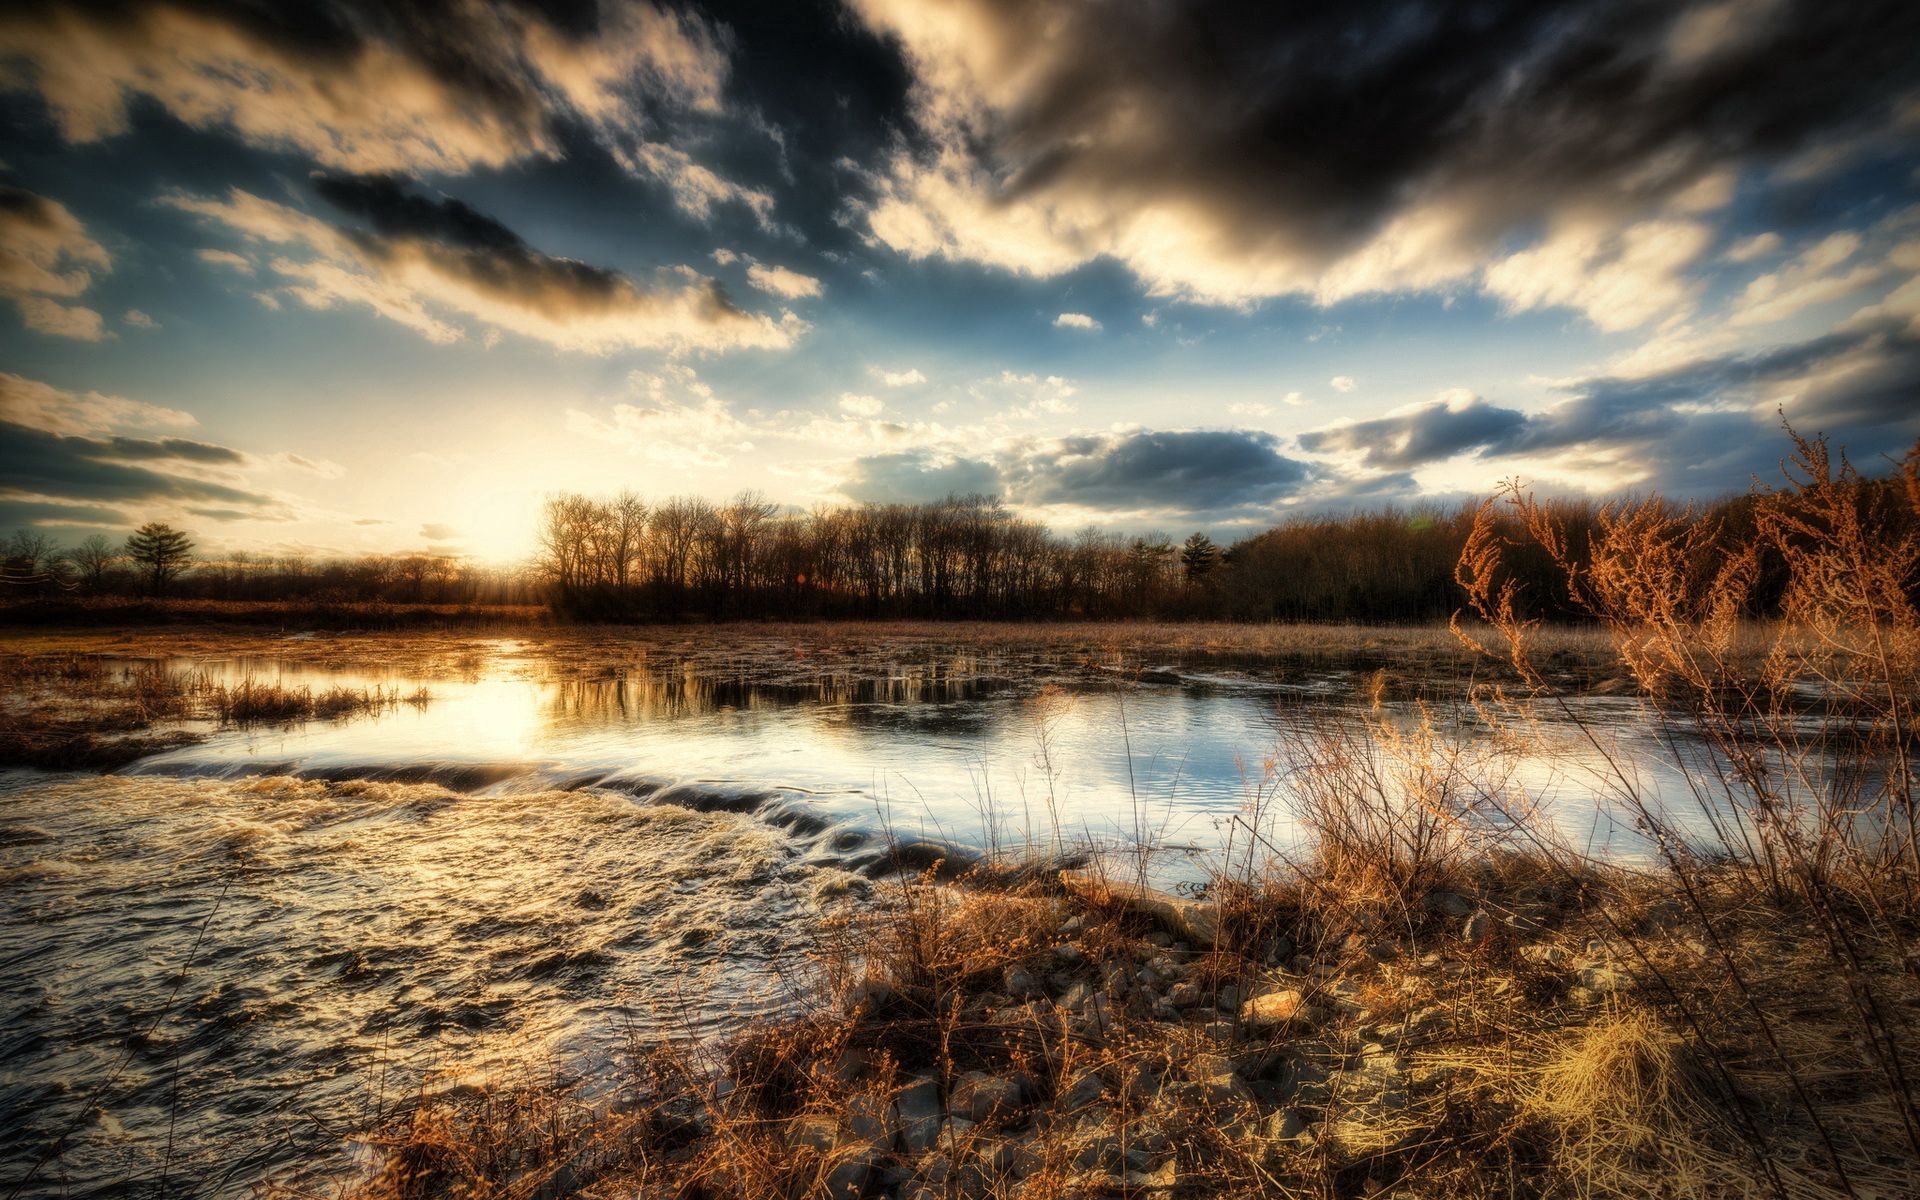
x: 222, y: 961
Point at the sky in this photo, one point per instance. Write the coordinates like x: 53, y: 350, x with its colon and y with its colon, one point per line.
x: 355, y: 276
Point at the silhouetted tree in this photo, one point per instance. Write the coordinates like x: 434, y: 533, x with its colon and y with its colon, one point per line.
x: 161, y: 552
x: 1198, y: 557
x: 95, y: 559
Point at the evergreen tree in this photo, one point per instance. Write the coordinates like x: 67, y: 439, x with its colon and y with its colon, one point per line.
x: 1198, y: 557
x: 160, y: 552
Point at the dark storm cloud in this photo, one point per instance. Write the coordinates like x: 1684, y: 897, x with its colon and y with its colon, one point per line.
x: 1699, y: 428
x: 176, y: 448
x: 1433, y: 432
x: 389, y: 203
x: 918, y: 476
x: 468, y: 245
x: 1162, y: 471
x: 88, y: 470
x: 18, y: 514
x: 1183, y: 471
x: 1231, y: 149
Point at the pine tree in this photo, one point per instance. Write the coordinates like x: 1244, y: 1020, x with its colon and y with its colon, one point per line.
x: 1199, y: 557
x: 161, y: 552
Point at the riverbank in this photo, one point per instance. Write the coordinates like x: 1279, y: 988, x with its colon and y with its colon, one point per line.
x: 1524, y: 1032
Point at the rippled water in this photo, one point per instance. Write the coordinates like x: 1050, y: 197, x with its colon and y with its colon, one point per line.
x: 222, y: 961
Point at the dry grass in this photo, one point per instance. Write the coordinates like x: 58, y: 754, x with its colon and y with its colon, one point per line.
x: 80, y: 712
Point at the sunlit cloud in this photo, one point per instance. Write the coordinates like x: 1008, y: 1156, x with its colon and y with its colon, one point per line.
x: 359, y: 87
x: 1571, y: 155
x: 46, y: 262
x: 425, y: 262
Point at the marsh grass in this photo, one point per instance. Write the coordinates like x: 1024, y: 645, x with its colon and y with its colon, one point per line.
x: 79, y: 712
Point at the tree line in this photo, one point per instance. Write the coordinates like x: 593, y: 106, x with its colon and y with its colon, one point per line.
x: 621, y: 557
x: 625, y: 558
x: 159, y: 561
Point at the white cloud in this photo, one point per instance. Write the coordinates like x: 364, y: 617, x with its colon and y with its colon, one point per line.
x: 695, y: 188
x: 375, y: 101
x: 46, y: 261
x: 139, y: 320
x: 1815, y: 276
x: 676, y: 421
x: 1747, y: 249
x: 910, y: 377
x: 1343, y: 383
x: 426, y: 286
x: 782, y: 282
x: 1619, y: 278
x: 38, y: 405
x: 860, y: 406
x: 1073, y: 320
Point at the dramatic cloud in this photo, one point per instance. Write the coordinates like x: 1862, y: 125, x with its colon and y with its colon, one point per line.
x: 1699, y: 428
x: 1567, y: 152
x: 779, y: 281
x: 41, y: 406
x: 39, y: 464
x: 1154, y: 470
x: 370, y: 86
x: 918, y: 476
x: 421, y: 260
x: 66, y: 457
x: 46, y: 260
x: 1412, y: 437
x: 1158, y: 473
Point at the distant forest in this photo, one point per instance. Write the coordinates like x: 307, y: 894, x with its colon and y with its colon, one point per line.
x: 622, y: 558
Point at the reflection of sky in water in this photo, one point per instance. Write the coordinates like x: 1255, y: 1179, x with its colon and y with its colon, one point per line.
x: 487, y: 877
x: 925, y: 754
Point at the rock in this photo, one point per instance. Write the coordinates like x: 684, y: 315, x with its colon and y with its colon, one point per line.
x: 981, y: 1097
x: 1197, y: 921
x: 872, y: 1118
x: 847, y: 1172
x: 1023, y: 984
x: 1287, y: 1127
x: 1085, y: 1090
x: 1449, y: 904
x: 868, y: 994
x: 1369, y: 1106
x: 1215, y: 1083
x: 813, y: 1131
x: 1277, y: 1010
x: 1545, y: 955
x: 1069, y: 955
x: 1605, y: 980
x: 1075, y: 998
x: 956, y: 1136
x: 1185, y: 995
x: 917, y: 1110
x: 1476, y: 927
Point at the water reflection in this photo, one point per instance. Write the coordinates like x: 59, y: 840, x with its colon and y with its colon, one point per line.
x: 532, y: 861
